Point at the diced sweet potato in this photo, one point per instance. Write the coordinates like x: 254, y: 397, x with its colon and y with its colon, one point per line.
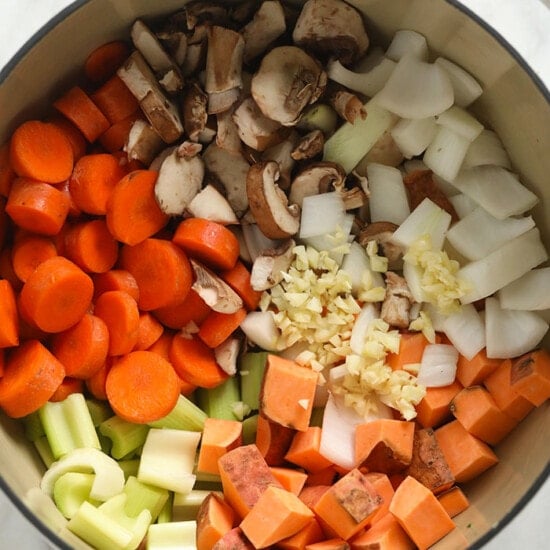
x: 311, y: 494
x: 470, y: 372
x: 214, y: 519
x: 235, y: 540
x: 218, y: 437
x: 292, y: 480
x: 531, y: 376
x: 435, y: 407
x: 330, y: 544
x: 454, y: 501
x: 385, y: 534
x: 309, y: 534
x: 304, y: 450
x: 383, y: 486
x: 273, y: 440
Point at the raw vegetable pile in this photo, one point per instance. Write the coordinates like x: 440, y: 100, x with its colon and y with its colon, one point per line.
x: 252, y: 248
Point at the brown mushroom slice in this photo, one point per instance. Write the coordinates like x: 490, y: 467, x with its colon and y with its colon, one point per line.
x: 143, y: 143
x: 309, y: 146
x: 331, y: 27
x: 227, y: 136
x: 195, y: 114
x: 265, y: 27
x: 211, y: 205
x: 269, y: 204
x: 195, y: 57
x: 317, y: 177
x: 382, y: 232
x: 198, y: 12
x: 176, y: 43
x: 353, y: 198
x: 348, y: 105
x: 287, y: 80
x: 219, y: 102
x: 282, y: 154
x: 214, y: 291
x: 397, y: 303
x: 269, y: 266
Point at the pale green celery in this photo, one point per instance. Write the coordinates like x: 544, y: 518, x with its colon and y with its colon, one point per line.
x: 165, y: 515
x: 186, y: 506
x: 218, y: 402
x: 142, y: 496
x: 71, y: 490
x: 44, y: 450
x: 99, y: 411
x: 126, y: 436
x: 317, y: 416
x: 33, y: 426
x: 252, y: 366
x: 169, y: 536
x: 184, y: 416
x: 105, y: 442
x: 250, y: 426
x: 68, y: 425
x: 129, y: 467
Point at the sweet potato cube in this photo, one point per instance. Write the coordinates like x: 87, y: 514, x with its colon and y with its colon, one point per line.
x: 349, y: 504
x: 291, y: 480
x: 214, y: 519
x: 309, y: 534
x: 531, y: 376
x: 234, y: 539
x: 273, y: 440
x: 384, y: 445
x: 287, y: 393
x: 385, y: 534
x: 383, y: 486
x: 435, y: 407
x: 277, y: 515
x: 329, y: 544
x: 218, y: 437
x: 454, y: 501
x: 420, y: 514
x: 311, y: 494
x: 470, y: 372
x: 304, y: 450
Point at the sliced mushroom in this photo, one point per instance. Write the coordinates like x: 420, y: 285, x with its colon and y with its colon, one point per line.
x: 176, y: 43
x: 211, y: 205
x: 219, y: 102
x: 282, y: 154
x: 287, y: 80
x: 255, y: 241
x: 214, y: 291
x: 143, y: 143
x: 156, y: 163
x: 331, y: 27
x: 381, y: 232
x: 269, y: 266
x: 265, y: 27
x: 213, y: 13
x: 397, y: 302
x: 309, y: 146
x: 353, y: 198
x: 269, y: 204
x: 195, y: 57
x: 227, y: 136
x: 227, y: 353
x: 317, y: 177
x: 348, y: 106
x: 180, y: 178
x: 195, y: 113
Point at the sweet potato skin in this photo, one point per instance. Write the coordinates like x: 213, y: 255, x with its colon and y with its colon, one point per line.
x: 233, y: 540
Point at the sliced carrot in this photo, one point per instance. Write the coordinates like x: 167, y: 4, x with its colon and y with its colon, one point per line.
x: 304, y: 450
x: 238, y: 278
x: 133, y: 213
x: 96, y: 383
x: 454, y: 501
x: 195, y: 362
x: 470, y: 372
x: 36, y: 206
x: 115, y: 137
x: 192, y: 309
x: 142, y: 387
x: 120, y: 313
x: 83, y: 347
x: 149, y: 331
x: 9, y: 317
x: 306, y: 536
x: 27, y: 329
x: 79, y: 108
x: 115, y: 100
x: 29, y: 252
x: 104, y: 60
x: 4, y: 222
x: 162, y: 272
x: 219, y: 436
x: 218, y: 327
x: 73, y: 134
x: 209, y: 242
x: 31, y: 376
x: 530, y: 376
x: 273, y: 440
x: 163, y: 344
x: 411, y: 348
x: 6, y: 270
x: 7, y: 173
x: 74, y: 210
x: 215, y: 518
x: 385, y: 534
x: 435, y: 407
x: 292, y: 480
x: 115, y: 279
x: 57, y: 294
x: 2, y: 362
x: 67, y: 387
x: 93, y: 180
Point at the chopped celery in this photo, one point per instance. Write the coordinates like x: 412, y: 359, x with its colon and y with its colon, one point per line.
x: 317, y: 416
x: 218, y: 402
x: 186, y: 506
x: 71, y: 490
x: 99, y: 410
x: 33, y: 426
x: 252, y: 366
x: 207, y: 482
x: 129, y: 467
x: 142, y: 496
x: 165, y: 515
x: 126, y: 436
x: 184, y: 416
x: 44, y: 450
x: 250, y: 426
x: 68, y: 425
x: 168, y: 536
x: 105, y: 442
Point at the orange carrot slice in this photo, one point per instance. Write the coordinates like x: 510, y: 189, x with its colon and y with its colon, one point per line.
x: 217, y: 327
x: 72, y: 133
x: 9, y: 317
x: 115, y: 100
x: 29, y: 252
x: 67, y: 387
x: 192, y: 309
x: 238, y: 278
x: 115, y: 279
x: 116, y: 136
x: 149, y: 331
x: 104, y: 60
x: 7, y: 173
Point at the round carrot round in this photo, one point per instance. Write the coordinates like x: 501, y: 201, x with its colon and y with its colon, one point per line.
x: 56, y: 295
x: 29, y: 252
x: 142, y: 387
x: 66, y: 388
x: 96, y: 383
x: 208, y: 241
x: 115, y: 279
x: 104, y: 61
x: 177, y: 315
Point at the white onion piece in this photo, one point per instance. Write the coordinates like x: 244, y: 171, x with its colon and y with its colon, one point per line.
x: 336, y: 244
x: 413, y: 275
x: 416, y: 89
x: 479, y: 233
x: 426, y: 219
x: 437, y: 318
x: 446, y: 153
x: 405, y: 41
x: 502, y: 266
x: 496, y: 189
x: 388, y: 199
x: 461, y: 122
x: 466, y: 330
x: 486, y: 149
x: 260, y: 328
x: 462, y: 204
x: 256, y: 242
x: 321, y: 214
x: 355, y: 264
x: 530, y: 292
x: 511, y: 332
x: 438, y: 365
x: 373, y: 58
x: 466, y: 87
x: 412, y: 136
x: 369, y: 312
x: 414, y: 164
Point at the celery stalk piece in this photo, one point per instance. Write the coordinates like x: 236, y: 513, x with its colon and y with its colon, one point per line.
x: 68, y: 425
x: 44, y: 450
x: 252, y: 366
x: 99, y: 411
x: 186, y: 506
x: 218, y: 402
x: 126, y: 436
x: 168, y: 459
x: 142, y: 496
x: 33, y: 426
x: 250, y: 426
x: 184, y: 416
x: 169, y: 536
x: 165, y: 515
x: 129, y: 467
x: 71, y: 490
x: 109, y: 477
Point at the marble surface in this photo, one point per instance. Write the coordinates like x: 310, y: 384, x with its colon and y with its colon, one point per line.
x: 523, y: 23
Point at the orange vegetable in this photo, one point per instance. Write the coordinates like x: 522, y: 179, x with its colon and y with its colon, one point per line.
x: 435, y: 406
x: 383, y: 486
x: 120, y: 313
x: 292, y: 480
x: 209, y: 242
x: 36, y: 206
x: 531, y: 376
x: 192, y: 308
x: 215, y: 518
x: 466, y: 455
x: 218, y: 437
x: 4, y: 222
x: 420, y: 514
x: 133, y: 214
x: 329, y: 544
x: 304, y: 450
x: 31, y: 376
x: 104, y: 60
x: 218, y: 327
x: 67, y: 387
x: 96, y: 383
x: 115, y: 137
x: 238, y: 278
x: 385, y: 534
x: 78, y: 107
x: 83, y: 347
x: 149, y: 331
x: 9, y: 317
x: 234, y: 539
x: 454, y: 501
x: 115, y: 279
x: 93, y: 180
x: 323, y: 477
x: 311, y: 494
x: 41, y: 151
x: 28, y: 252
x: 308, y: 535
x: 2, y: 362
x: 474, y: 371
x: 273, y: 440
x: 142, y: 387
x: 163, y: 344
x: 115, y: 100
x: 73, y: 134
x: 7, y: 173
x: 162, y: 272
x: 57, y: 294
x: 411, y: 348
x: 6, y: 270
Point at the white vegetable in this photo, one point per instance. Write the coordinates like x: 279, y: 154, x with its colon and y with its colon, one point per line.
x: 461, y: 122
x: 446, y: 153
x: 529, y: 292
x: 510, y: 333
x: 335, y: 243
x: 369, y: 312
x: 466, y: 330
x: 356, y: 264
x: 462, y: 204
x: 256, y: 241
x: 405, y: 41
x: 412, y: 136
x: 438, y: 365
x: 260, y: 328
x: 321, y: 214
x: 388, y: 200
x: 413, y: 275
x: 465, y: 86
x: 486, y: 149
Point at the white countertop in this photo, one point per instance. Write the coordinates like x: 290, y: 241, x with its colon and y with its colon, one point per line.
x: 524, y: 23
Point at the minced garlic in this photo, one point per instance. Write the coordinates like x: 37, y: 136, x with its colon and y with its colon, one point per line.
x: 423, y: 324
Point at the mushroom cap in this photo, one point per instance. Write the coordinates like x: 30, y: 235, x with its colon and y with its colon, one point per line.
x: 315, y: 178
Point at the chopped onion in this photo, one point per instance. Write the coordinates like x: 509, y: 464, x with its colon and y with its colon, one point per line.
x: 260, y: 328
x: 530, y: 292
x: 321, y: 214
x: 462, y: 204
x: 413, y: 165
x: 335, y: 243
x: 374, y: 57
x: 461, y: 122
x: 256, y: 242
x: 436, y: 317
x: 496, y: 189
x: 412, y: 136
x: 438, y: 365
x: 416, y: 89
x: 479, y: 233
x: 446, y: 153
x: 356, y: 264
x: 466, y: 331
x: 369, y: 312
x: 388, y: 200
x: 405, y: 41
x: 413, y: 275
x: 509, y: 332
x: 502, y: 266
x: 465, y: 86
x: 486, y: 149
